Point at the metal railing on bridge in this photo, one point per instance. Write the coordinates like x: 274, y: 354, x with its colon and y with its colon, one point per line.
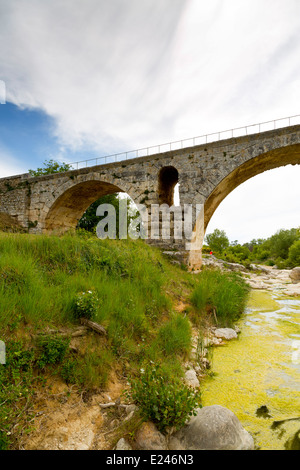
x: 190, y: 142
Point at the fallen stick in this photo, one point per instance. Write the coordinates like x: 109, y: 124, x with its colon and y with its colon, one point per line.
x: 94, y: 326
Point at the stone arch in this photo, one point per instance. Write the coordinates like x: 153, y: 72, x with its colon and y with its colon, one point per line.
x: 167, y: 180
x: 289, y: 155
x: 69, y: 207
x: 276, y: 158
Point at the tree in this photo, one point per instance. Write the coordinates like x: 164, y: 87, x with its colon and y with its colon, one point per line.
x: 294, y: 254
x: 51, y: 166
x: 282, y: 241
x: 89, y: 220
x: 217, y: 241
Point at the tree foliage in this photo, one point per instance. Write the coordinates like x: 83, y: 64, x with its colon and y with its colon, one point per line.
x: 89, y: 220
x: 50, y: 166
x: 281, y: 249
x: 218, y: 240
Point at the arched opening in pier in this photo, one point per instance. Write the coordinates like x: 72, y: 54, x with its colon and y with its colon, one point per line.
x: 167, y: 181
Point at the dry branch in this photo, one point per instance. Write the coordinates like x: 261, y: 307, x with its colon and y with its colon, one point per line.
x: 94, y: 326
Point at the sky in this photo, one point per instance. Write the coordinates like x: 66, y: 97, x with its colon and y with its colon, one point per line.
x: 83, y: 79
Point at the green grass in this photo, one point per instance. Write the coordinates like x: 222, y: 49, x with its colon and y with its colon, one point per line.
x: 40, y: 277
x: 223, y: 295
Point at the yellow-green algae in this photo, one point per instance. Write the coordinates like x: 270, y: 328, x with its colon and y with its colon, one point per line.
x: 261, y: 368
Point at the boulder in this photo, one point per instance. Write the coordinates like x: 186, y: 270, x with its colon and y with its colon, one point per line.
x: 149, y: 438
x: 234, y: 266
x: 295, y: 275
x: 213, y: 428
x: 191, y: 378
x: 225, y: 333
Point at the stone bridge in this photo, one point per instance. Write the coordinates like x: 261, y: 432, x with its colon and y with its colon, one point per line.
x: 206, y: 175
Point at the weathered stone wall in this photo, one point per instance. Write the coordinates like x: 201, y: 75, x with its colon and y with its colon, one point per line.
x: 206, y: 174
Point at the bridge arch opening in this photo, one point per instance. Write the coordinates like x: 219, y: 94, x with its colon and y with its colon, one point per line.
x: 70, y: 206
x: 274, y: 159
x: 280, y: 157
x: 167, y: 181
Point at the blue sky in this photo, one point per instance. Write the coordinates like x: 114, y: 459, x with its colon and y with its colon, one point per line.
x: 26, y: 135
x: 86, y: 79
x: 27, y: 139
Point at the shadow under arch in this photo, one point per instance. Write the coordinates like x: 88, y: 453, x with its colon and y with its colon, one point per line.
x: 167, y: 180
x: 69, y: 207
x: 274, y: 159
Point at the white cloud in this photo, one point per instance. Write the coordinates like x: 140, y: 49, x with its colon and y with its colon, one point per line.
x: 98, y: 68
x: 130, y: 74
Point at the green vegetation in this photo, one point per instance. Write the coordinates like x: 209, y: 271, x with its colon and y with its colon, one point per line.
x: 221, y: 295
x: 281, y: 249
x: 17, y: 383
x: 89, y: 220
x: 217, y: 241
x: 165, y: 401
x: 50, y: 166
x: 48, y: 283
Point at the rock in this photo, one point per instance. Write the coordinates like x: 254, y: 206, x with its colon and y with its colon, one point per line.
x: 234, y: 266
x: 191, y: 378
x: 131, y: 408
x: 263, y: 412
x: 213, y: 428
x: 295, y: 275
x: 122, y: 444
x: 149, y: 438
x: 294, y: 442
x: 225, y: 333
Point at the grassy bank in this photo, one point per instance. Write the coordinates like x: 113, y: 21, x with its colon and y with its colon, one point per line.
x: 221, y: 295
x: 47, y: 283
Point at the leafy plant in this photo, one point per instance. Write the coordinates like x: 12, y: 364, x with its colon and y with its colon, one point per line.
x: 166, y: 401
x: 51, y: 350
x: 50, y: 166
x: 86, y: 305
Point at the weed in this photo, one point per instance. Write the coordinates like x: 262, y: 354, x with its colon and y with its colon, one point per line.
x: 167, y: 402
x: 174, y: 336
x: 86, y: 305
x: 51, y: 350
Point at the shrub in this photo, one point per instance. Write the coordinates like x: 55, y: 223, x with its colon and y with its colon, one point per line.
x: 52, y: 350
x: 86, y: 305
x: 165, y: 401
